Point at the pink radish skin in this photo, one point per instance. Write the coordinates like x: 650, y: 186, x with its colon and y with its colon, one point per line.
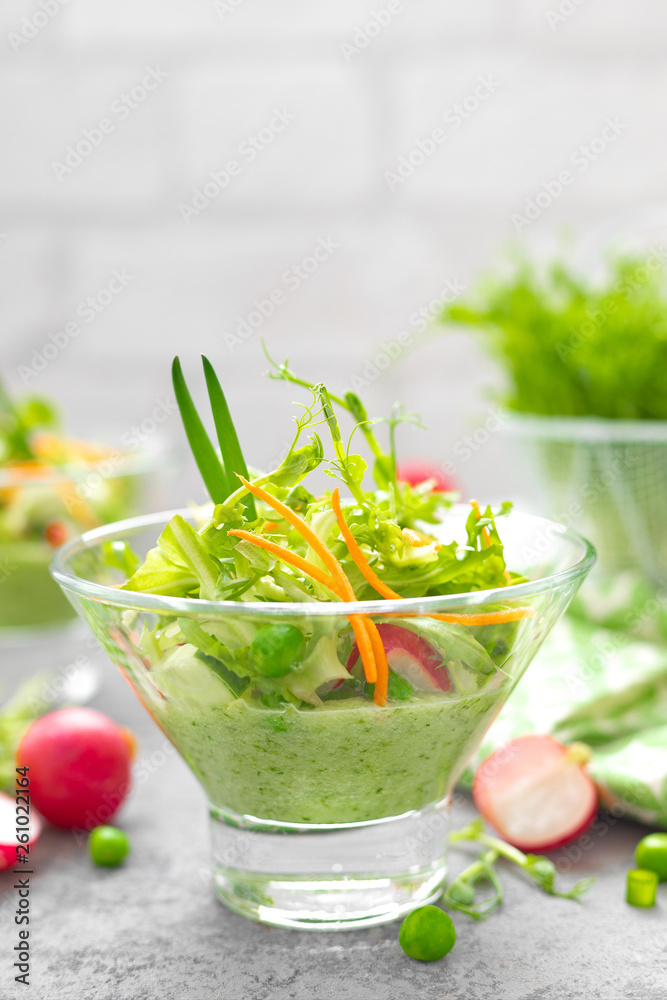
x: 412, y: 657
x: 8, y: 828
x: 419, y: 471
x: 536, y: 793
x: 79, y: 762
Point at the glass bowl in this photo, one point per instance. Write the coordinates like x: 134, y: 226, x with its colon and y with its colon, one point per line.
x: 40, y: 506
x: 334, y: 814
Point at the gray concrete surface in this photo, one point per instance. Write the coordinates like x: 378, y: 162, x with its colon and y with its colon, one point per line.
x: 152, y: 930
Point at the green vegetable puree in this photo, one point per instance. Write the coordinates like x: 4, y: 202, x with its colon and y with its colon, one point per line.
x: 343, y: 762
x: 28, y: 595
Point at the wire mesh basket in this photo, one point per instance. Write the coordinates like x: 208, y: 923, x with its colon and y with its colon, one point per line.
x: 608, y: 480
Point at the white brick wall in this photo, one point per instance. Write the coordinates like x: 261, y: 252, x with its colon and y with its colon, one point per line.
x: 561, y: 68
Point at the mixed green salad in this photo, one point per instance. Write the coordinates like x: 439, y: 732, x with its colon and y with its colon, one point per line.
x: 39, y: 469
x: 269, y: 539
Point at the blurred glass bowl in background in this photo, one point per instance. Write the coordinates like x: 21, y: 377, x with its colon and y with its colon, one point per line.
x: 43, y: 505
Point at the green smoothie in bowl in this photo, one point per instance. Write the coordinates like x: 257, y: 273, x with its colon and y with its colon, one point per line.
x: 346, y: 760
x: 325, y: 660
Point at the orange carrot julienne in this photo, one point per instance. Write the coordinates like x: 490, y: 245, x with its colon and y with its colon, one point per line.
x: 380, y: 656
x: 488, y: 618
x: 358, y: 622
x: 483, y: 618
x: 310, y: 536
x: 343, y: 588
x: 361, y: 631
x: 307, y: 568
x: 357, y: 555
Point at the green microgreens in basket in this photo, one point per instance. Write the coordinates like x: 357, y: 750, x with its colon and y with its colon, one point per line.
x: 569, y: 347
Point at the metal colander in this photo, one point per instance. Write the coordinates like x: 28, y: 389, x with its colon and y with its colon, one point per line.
x: 608, y: 480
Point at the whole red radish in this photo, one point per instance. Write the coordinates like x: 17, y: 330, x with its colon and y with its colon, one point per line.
x: 11, y: 829
x: 418, y: 471
x: 536, y: 792
x: 79, y: 761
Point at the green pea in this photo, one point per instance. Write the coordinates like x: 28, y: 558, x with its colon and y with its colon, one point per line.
x: 108, y: 846
x: 651, y: 854
x: 275, y: 649
x: 427, y: 934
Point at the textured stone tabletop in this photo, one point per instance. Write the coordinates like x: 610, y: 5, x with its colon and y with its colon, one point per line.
x: 152, y: 930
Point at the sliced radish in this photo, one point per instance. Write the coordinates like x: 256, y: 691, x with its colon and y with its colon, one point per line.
x: 536, y: 792
x: 412, y: 657
x: 9, y: 828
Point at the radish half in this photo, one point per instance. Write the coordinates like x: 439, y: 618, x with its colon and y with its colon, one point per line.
x: 412, y: 657
x: 536, y: 792
x: 8, y: 829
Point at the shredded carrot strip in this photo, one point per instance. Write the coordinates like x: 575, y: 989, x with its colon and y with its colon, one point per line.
x: 483, y: 618
x: 382, y: 682
x: 308, y: 568
x: 380, y: 696
x: 343, y: 588
x: 358, y: 622
x: 488, y: 618
x: 310, y: 536
x: 357, y: 555
x: 359, y: 625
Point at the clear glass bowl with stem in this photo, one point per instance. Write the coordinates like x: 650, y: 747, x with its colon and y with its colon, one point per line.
x: 41, y: 506
x: 329, y: 815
